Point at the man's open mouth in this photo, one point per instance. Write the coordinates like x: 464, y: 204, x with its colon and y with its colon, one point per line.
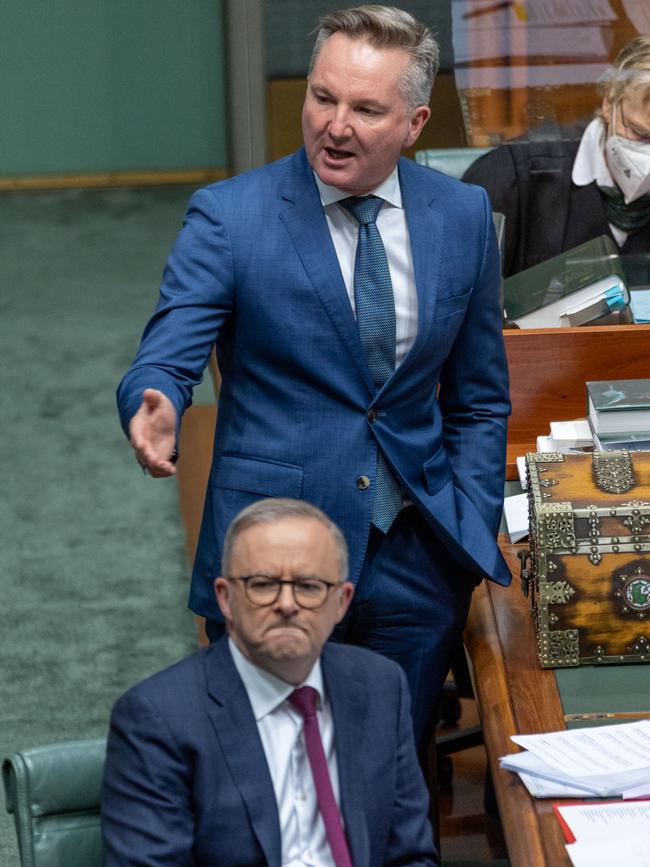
x: 337, y: 154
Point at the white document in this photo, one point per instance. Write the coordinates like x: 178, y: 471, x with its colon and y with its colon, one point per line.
x: 548, y: 444
x: 573, y: 434
x: 530, y: 764
x: 619, y: 851
x: 595, y: 750
x: 595, y: 821
x: 521, y: 469
x: 604, y: 760
x: 538, y: 787
x: 515, y: 510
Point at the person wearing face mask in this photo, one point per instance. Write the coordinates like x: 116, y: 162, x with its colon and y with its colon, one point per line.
x: 560, y: 186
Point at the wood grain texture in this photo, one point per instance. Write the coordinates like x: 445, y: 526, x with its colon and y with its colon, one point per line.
x: 514, y: 695
x: 549, y: 368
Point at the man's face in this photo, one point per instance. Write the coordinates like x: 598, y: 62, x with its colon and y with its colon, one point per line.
x: 283, y: 638
x: 355, y: 121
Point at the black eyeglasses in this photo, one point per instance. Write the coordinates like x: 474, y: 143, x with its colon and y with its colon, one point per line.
x: 263, y: 590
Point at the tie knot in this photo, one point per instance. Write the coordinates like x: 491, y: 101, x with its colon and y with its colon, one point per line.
x: 304, y: 700
x: 364, y: 209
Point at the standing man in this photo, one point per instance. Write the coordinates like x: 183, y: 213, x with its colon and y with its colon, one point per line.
x: 269, y: 747
x: 353, y: 299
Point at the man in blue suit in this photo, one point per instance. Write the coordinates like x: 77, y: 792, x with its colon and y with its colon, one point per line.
x: 212, y: 761
x: 390, y: 417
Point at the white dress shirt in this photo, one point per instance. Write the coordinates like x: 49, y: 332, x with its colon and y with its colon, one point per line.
x: 393, y: 229
x: 304, y: 842
x: 590, y: 165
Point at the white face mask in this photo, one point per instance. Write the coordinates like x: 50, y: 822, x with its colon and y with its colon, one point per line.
x: 628, y: 162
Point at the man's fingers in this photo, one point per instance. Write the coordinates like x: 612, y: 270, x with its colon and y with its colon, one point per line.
x: 151, y: 461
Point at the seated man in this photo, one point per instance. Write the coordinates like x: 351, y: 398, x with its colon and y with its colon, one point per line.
x: 560, y: 186
x: 270, y: 746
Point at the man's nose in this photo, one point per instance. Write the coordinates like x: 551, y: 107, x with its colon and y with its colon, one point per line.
x: 286, y: 602
x: 339, y: 127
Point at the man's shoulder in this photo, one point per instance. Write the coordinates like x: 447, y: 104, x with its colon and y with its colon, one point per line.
x: 435, y: 184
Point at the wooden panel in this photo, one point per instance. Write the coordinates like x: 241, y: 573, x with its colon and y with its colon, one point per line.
x: 514, y: 695
x: 192, y: 471
x: 102, y: 180
x: 549, y: 368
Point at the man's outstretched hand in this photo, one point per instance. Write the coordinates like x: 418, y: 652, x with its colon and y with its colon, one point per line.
x: 153, y: 433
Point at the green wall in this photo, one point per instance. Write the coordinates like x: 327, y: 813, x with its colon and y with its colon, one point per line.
x: 111, y: 85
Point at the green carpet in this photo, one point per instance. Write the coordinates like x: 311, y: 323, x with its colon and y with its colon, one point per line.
x: 93, y: 576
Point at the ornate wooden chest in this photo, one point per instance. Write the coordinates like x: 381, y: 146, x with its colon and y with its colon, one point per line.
x: 587, y: 573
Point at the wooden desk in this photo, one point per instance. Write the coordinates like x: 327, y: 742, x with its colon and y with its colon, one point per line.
x: 549, y: 368
x: 514, y: 696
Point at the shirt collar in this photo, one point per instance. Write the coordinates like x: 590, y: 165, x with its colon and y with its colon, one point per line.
x: 590, y: 164
x: 267, y: 692
x: 389, y: 190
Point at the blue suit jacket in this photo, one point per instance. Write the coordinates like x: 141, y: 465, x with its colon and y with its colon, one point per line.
x: 186, y: 780
x: 254, y: 269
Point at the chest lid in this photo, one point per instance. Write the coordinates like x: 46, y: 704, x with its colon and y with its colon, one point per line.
x: 599, y: 500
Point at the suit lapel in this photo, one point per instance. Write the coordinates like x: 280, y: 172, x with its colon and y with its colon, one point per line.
x: 306, y: 225
x: 424, y: 223
x: 347, y: 697
x: 236, y: 729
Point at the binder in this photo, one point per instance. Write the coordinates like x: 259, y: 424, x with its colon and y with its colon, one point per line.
x: 579, y: 286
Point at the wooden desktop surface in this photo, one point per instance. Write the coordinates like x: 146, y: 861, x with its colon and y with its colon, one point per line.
x: 514, y: 696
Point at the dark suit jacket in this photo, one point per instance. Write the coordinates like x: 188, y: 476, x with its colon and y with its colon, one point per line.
x: 529, y: 181
x: 187, y: 783
x: 255, y: 269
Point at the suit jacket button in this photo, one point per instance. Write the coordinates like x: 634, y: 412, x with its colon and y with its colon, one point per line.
x: 363, y: 483
x: 372, y: 416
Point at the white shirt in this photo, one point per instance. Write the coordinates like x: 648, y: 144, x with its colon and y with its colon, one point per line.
x: 302, y: 832
x: 391, y: 223
x: 590, y: 165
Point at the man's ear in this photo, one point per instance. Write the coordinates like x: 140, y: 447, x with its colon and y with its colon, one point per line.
x: 345, y: 597
x: 222, y: 592
x: 418, y: 118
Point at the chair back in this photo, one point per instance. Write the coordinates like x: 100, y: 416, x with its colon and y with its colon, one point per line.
x: 53, y: 792
x: 450, y: 161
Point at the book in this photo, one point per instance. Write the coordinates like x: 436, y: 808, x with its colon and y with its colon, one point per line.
x: 619, y: 408
x: 579, y: 286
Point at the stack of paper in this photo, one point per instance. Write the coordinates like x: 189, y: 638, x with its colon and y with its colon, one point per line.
x: 567, y: 437
x: 515, y: 511
x: 603, y: 761
x: 600, y: 835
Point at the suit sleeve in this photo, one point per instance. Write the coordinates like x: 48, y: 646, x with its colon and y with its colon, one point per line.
x: 147, y: 820
x: 474, y: 389
x: 196, y: 297
x: 410, y: 839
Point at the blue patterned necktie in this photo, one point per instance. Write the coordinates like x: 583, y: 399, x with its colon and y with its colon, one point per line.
x: 375, y: 312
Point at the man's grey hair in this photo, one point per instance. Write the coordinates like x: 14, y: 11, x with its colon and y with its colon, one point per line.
x: 388, y: 27
x: 275, y: 509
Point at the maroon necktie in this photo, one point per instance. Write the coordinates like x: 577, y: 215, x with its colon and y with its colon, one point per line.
x: 304, y: 701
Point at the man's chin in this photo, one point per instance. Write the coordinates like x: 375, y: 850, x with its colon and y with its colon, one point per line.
x: 287, y: 642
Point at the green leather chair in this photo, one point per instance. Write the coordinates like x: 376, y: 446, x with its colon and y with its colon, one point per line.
x: 53, y: 793
x: 450, y: 161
